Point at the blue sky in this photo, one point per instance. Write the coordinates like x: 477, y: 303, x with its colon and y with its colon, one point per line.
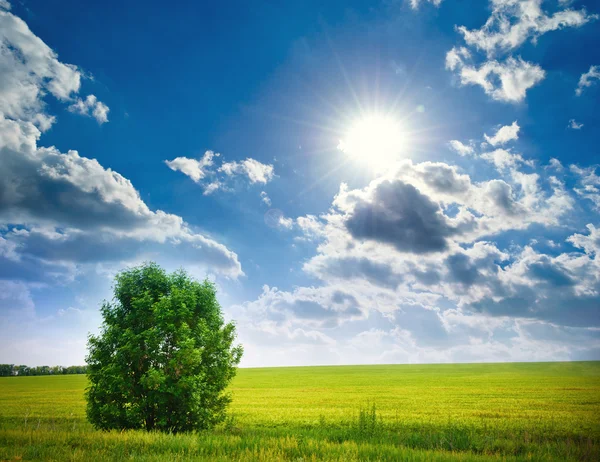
x: 366, y: 182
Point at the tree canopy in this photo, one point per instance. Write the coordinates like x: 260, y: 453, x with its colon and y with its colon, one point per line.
x: 164, y: 355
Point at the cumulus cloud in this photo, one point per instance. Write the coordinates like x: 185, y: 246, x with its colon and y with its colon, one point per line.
x: 468, y: 299
x: 426, y: 251
x: 264, y: 197
x: 506, y: 81
x: 256, y: 171
x: 275, y: 309
x: 29, y: 70
x: 398, y: 214
x: 503, y: 76
x: 505, y: 160
x: 461, y: 148
x: 588, y: 183
x: 91, y: 107
x: 588, y: 79
x: 513, y: 22
x: 415, y: 3
x: 202, y: 169
x: 76, y: 205
x: 590, y: 243
x: 60, y: 210
x: 504, y: 134
x: 575, y: 125
x: 195, y: 169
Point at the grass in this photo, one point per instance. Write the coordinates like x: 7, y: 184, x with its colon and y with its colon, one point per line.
x: 526, y: 411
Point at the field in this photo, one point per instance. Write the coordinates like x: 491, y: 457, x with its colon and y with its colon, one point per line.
x: 527, y: 411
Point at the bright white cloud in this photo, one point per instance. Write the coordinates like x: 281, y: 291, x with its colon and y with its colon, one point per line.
x: 513, y: 22
x: 415, y: 3
x: 60, y: 211
x: 588, y: 185
x: 461, y: 148
x: 264, y: 197
x: 504, y: 134
x: 510, y: 25
x: 588, y: 79
x: 555, y: 164
x: 30, y: 69
x: 506, y: 81
x: 216, y: 178
x: 256, y: 171
x: 505, y: 160
x: 590, y: 242
x: 73, y: 209
x: 195, y: 169
x: 575, y: 125
x: 91, y: 107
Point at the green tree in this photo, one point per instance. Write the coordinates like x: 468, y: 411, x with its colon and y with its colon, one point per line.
x: 164, y: 355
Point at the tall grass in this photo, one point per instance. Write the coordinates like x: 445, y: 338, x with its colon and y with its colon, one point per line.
x: 456, y: 412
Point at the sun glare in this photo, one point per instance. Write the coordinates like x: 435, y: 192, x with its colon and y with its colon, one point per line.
x: 375, y: 140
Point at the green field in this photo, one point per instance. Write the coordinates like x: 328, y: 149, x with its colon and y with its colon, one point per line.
x: 527, y: 411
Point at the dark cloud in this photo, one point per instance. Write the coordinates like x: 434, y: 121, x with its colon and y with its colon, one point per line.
x: 44, y: 185
x: 424, y: 324
x: 398, y: 214
x: 340, y: 298
x: 376, y: 273
x: 71, y: 209
x: 556, y: 304
x: 462, y: 270
x: 444, y: 178
x: 500, y: 194
x: 550, y: 272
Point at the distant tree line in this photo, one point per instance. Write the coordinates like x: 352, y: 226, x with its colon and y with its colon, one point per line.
x: 7, y: 370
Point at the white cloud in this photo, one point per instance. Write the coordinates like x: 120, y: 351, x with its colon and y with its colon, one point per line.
x: 590, y: 242
x: 456, y: 296
x: 505, y: 160
x: 588, y: 183
x: 212, y: 187
x: 264, y: 197
x: 30, y: 70
x: 195, y: 169
x: 61, y: 211
x: 513, y: 22
x: 588, y: 79
x: 456, y: 57
x: 504, y: 135
x: 256, y: 171
x: 415, y: 3
x: 286, y: 222
x: 202, y: 172
x: 73, y: 209
x: 91, y: 107
x: 555, y: 164
x: 506, y: 81
x: 510, y: 25
x: 461, y: 148
x: 575, y: 125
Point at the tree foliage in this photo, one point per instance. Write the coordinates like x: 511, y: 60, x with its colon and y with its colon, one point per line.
x: 22, y: 370
x: 164, y: 355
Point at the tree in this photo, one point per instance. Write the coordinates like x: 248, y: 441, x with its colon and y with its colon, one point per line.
x: 164, y: 355
x: 6, y: 370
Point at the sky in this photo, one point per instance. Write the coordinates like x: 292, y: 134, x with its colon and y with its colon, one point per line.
x: 366, y: 182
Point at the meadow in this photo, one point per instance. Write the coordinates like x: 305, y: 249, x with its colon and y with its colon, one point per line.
x: 525, y: 411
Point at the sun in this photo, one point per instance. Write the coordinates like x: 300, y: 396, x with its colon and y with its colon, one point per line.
x: 375, y: 140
